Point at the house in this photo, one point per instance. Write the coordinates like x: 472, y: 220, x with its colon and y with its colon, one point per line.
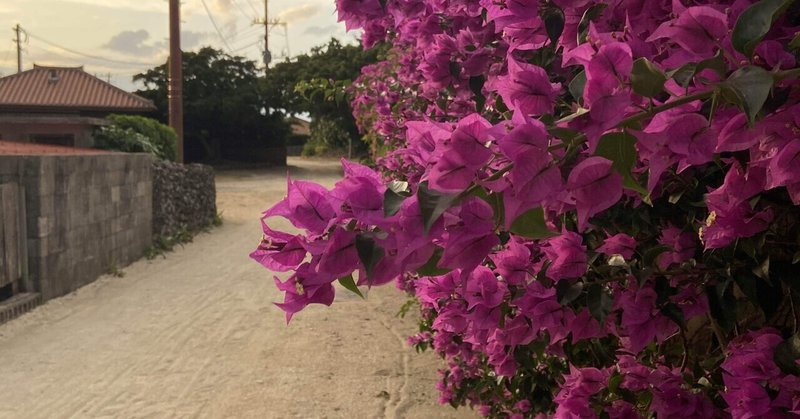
x: 61, y: 105
x: 300, y: 127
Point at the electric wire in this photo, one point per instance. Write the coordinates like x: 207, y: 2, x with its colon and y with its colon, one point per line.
x: 257, y: 42
x: 241, y: 9
x: 83, y: 54
x: 250, y: 2
x: 214, y: 24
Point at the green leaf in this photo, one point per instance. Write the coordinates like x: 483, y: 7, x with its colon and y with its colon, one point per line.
x: 476, y: 85
x: 684, y: 74
x: 349, y: 284
x: 495, y: 200
x: 396, y: 193
x: 577, y: 85
x: 554, y: 23
x: 589, y: 15
x: 620, y: 148
x: 599, y: 302
x: 770, y: 295
x: 578, y: 113
x: 747, y: 284
x: 567, y: 293
x: 430, y: 267
x: 674, y: 313
x: 532, y: 225
x: 433, y: 204
x: 369, y: 253
x: 755, y: 22
x: 762, y: 270
x: 614, y: 381
x: 567, y: 135
x: 748, y: 88
x: 795, y: 42
x: 787, y: 353
x: 649, y: 257
x: 722, y: 304
x: 647, y: 79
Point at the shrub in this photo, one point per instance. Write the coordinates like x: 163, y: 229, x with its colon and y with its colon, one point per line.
x: 136, y: 134
x: 327, y: 138
x: 595, y: 203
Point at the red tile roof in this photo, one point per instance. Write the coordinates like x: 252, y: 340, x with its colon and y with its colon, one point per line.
x: 27, y: 149
x: 67, y: 88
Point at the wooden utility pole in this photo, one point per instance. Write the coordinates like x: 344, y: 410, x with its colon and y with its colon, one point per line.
x: 18, y: 40
x: 175, y: 89
x: 267, y: 54
x: 266, y: 23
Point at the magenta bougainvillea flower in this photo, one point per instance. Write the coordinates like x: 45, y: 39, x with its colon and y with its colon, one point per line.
x: 696, y: 29
x: 595, y: 187
x: 619, y: 244
x: 467, y: 244
x: 278, y: 251
x: 306, y: 206
x: 527, y: 88
x: 567, y: 255
x: 594, y: 203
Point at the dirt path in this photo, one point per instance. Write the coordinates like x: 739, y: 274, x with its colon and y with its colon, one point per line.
x: 195, y: 335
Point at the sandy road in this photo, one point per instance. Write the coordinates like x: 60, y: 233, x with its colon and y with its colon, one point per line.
x: 195, y: 335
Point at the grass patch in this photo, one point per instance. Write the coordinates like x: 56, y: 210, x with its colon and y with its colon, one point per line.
x: 164, y: 244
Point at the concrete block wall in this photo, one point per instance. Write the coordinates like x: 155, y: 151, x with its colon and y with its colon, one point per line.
x: 86, y: 214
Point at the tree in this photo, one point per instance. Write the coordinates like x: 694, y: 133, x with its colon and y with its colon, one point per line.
x: 224, y: 110
x: 299, y: 86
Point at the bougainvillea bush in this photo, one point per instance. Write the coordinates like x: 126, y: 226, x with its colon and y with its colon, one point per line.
x: 595, y: 203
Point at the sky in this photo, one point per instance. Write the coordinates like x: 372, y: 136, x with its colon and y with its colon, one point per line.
x: 115, y: 39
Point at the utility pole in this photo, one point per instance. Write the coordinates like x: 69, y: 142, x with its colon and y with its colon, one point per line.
x: 175, y: 90
x: 266, y: 23
x: 18, y: 40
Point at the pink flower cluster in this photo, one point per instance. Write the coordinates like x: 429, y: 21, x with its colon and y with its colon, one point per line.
x: 589, y: 199
x: 750, y: 374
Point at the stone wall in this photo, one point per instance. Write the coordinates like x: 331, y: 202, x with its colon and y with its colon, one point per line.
x: 86, y: 215
x: 184, y: 196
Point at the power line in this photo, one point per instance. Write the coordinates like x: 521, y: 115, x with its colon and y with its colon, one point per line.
x: 214, y: 23
x: 253, y: 7
x: 238, y: 34
x: 257, y: 42
x: 83, y: 54
x: 252, y: 30
x: 241, y: 10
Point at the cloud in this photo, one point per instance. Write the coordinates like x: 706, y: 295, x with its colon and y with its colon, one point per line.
x: 133, y: 5
x: 132, y: 43
x: 299, y: 13
x: 137, y: 43
x: 224, y: 16
x: 191, y: 39
x: 321, y: 30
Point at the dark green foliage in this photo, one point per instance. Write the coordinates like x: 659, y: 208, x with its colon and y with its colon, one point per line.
x: 224, y: 109
x: 136, y: 134
x: 328, y: 136
x: 125, y: 140
x: 315, y: 84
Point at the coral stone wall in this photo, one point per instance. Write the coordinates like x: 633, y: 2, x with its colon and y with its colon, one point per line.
x: 184, y: 196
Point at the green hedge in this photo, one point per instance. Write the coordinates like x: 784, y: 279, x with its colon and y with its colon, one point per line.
x: 136, y: 134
